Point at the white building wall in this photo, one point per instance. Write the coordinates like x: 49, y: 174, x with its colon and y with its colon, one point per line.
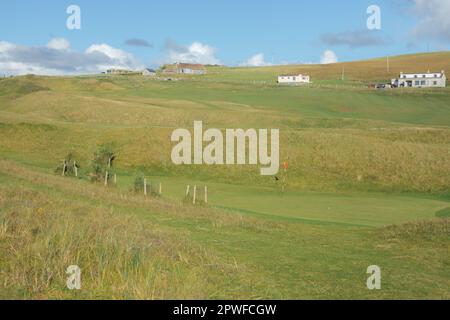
x: 423, y: 80
x: 192, y: 71
x: 294, y: 79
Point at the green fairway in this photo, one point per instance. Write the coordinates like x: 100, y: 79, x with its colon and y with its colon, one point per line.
x: 352, y: 209
x: 357, y: 209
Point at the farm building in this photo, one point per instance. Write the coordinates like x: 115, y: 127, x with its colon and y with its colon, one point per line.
x: 184, y: 68
x: 293, y: 79
x: 149, y: 72
x: 421, y: 80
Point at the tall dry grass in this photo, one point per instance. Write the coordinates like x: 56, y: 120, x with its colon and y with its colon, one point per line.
x: 48, y: 223
x: 120, y: 257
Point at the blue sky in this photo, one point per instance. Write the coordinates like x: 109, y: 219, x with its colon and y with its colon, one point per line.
x: 228, y: 32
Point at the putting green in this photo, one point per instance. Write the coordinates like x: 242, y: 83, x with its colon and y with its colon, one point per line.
x: 359, y: 209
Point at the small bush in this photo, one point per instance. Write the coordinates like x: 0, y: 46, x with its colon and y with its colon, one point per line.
x: 139, y: 183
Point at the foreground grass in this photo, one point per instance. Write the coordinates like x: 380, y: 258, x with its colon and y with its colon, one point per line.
x: 131, y: 247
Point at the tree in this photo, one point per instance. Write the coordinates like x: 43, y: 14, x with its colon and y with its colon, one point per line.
x: 103, y: 162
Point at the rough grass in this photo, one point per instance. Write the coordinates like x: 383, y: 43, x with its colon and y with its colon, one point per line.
x: 328, y: 146
x: 437, y: 231
x: 15, y: 88
x: 122, y: 256
x: 130, y: 247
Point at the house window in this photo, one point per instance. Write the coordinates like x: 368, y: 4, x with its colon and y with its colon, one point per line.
x: 294, y: 78
x: 415, y: 76
x: 417, y: 83
x: 423, y: 82
x: 434, y: 83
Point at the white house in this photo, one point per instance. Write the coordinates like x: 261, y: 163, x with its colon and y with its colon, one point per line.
x: 293, y: 79
x: 149, y: 72
x: 421, y: 80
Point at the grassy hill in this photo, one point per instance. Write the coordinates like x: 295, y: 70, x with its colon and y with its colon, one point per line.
x: 358, y: 72
x: 368, y: 183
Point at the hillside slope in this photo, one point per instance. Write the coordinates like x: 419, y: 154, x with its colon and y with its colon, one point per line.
x: 359, y: 71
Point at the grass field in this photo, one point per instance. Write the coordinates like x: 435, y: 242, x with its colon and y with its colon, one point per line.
x: 368, y: 183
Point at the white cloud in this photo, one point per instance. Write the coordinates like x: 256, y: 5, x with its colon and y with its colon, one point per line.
x: 195, y: 53
x: 328, y: 57
x: 56, y: 58
x: 434, y: 19
x: 255, y: 61
x: 4, y: 46
x: 118, y: 58
x: 59, y: 44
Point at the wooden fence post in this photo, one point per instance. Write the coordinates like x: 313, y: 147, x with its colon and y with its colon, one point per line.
x: 145, y: 186
x: 106, y: 178
x: 115, y: 178
x: 64, y: 168
x: 195, y: 193
x: 160, y: 188
x: 75, y: 168
x: 206, y: 194
x: 187, y: 190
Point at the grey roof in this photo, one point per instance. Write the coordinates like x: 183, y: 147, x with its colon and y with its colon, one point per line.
x: 422, y: 75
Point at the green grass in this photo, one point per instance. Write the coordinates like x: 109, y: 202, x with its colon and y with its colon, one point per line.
x: 351, y: 208
x: 130, y: 247
x: 368, y: 183
x: 444, y: 213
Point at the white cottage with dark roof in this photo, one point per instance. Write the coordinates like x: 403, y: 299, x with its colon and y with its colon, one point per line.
x: 149, y: 72
x: 421, y: 80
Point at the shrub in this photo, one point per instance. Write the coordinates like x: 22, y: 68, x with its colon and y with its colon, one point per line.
x: 139, y: 183
x: 103, y: 162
